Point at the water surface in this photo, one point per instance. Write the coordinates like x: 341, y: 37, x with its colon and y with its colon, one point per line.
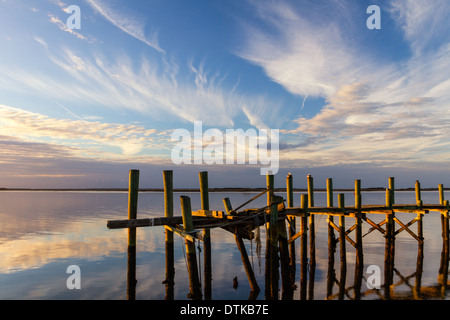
x: 42, y: 233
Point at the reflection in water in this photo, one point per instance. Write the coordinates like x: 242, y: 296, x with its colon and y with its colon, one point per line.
x: 42, y: 233
x: 338, y: 287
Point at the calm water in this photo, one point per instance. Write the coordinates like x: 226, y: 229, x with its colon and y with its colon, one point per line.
x: 42, y: 233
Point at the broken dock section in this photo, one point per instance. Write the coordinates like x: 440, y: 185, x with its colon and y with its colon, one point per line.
x: 279, y: 216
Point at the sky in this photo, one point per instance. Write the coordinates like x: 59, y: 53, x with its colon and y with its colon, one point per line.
x: 81, y: 107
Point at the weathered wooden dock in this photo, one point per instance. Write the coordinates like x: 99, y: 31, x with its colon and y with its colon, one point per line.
x: 279, y: 217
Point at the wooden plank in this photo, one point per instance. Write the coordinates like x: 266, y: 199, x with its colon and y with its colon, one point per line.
x: 295, y: 236
x: 191, y: 236
x: 350, y: 229
x: 408, y: 230
x: 209, y: 214
x: 247, y: 266
x: 333, y: 225
x: 252, y: 199
x: 148, y: 222
x: 375, y: 226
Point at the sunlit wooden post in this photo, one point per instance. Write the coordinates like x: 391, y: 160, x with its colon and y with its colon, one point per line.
x: 331, y: 240
x: 272, y: 272
x: 312, y: 237
x: 390, y: 245
x: 343, y: 275
x: 359, y: 265
x: 207, y: 269
x: 443, y: 269
x: 292, y: 222
x: 418, y: 194
x: 188, y: 226
x: 168, y: 213
x: 133, y: 190
x: 303, y: 246
x: 244, y: 256
x: 392, y: 188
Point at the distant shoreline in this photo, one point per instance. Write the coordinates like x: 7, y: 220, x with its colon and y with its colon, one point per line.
x: 210, y: 189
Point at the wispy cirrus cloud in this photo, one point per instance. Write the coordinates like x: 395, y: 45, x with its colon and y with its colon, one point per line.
x: 82, y: 138
x: 306, y: 57
x: 62, y: 26
x: 425, y: 24
x: 376, y: 112
x: 161, y: 90
x: 130, y: 24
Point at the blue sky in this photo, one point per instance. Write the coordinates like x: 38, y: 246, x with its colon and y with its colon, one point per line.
x: 78, y: 108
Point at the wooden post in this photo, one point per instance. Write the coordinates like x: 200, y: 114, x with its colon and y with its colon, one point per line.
x: 207, y: 267
x: 244, y: 256
x: 389, y: 199
x: 418, y: 195
x: 274, y: 260
x: 419, y: 264
x: 291, y: 224
x: 441, y: 193
x: 271, y: 272
x: 359, y: 265
x: 227, y: 205
x: 444, y: 214
x: 443, y: 268
x: 269, y: 186
x: 168, y: 213
x: 331, y: 276
x: 358, y: 222
x: 133, y: 190
x: 389, y: 247
x: 312, y: 237
x: 392, y: 187
x: 341, y: 204
x: 289, y: 191
x: 188, y: 226
x: 247, y: 266
x: 303, y: 247
x: 287, y: 277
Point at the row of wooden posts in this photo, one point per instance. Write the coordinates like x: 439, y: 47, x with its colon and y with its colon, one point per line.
x: 280, y: 244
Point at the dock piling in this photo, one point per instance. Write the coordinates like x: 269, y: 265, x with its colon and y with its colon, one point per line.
x: 331, y: 275
x: 280, y: 249
x: 291, y: 222
x: 188, y: 226
x: 207, y: 267
x: 169, y: 246
x: 359, y: 264
x: 133, y: 190
x: 303, y: 246
x: 343, y: 275
x: 312, y: 237
x: 244, y: 256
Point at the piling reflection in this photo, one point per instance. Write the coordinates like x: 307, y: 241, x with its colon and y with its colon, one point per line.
x: 339, y: 286
x: 280, y: 259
